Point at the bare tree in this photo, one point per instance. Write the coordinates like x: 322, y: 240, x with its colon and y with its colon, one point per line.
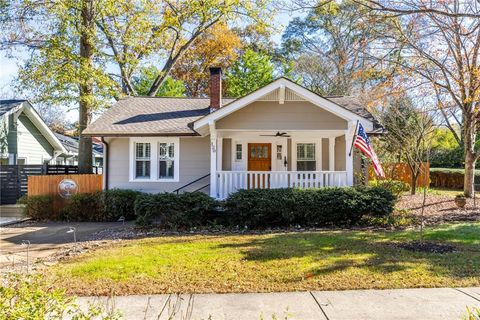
x: 439, y: 48
x: 409, y: 134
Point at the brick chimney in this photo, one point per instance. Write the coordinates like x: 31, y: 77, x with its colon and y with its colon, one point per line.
x: 215, y: 88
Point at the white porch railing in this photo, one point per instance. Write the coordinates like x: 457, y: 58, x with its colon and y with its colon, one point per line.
x: 231, y: 181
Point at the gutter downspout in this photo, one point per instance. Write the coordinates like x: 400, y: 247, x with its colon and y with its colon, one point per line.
x: 105, y: 161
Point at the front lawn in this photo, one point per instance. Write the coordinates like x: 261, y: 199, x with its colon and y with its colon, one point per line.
x: 329, y: 260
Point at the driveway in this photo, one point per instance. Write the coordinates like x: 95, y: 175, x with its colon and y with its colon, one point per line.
x: 397, y: 304
x: 45, y: 238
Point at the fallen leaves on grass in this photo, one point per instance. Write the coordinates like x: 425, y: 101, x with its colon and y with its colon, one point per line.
x: 329, y: 260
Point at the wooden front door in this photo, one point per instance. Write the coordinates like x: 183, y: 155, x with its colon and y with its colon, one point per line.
x: 259, y: 157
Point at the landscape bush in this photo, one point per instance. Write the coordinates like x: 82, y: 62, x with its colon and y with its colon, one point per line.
x: 38, y: 207
x: 259, y: 208
x: 120, y: 203
x: 84, y: 207
x: 102, y: 206
x: 396, y: 187
x: 174, y: 211
x: 449, y: 178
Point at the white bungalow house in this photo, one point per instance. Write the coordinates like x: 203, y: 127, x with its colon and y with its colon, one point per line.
x: 279, y: 136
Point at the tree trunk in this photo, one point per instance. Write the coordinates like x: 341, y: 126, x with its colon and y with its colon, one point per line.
x: 469, y: 177
x: 470, y: 157
x: 87, y: 39
x: 413, y: 183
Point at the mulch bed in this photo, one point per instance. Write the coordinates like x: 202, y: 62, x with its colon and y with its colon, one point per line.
x: 439, y: 208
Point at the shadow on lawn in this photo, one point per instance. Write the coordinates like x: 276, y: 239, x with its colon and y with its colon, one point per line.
x: 375, y: 251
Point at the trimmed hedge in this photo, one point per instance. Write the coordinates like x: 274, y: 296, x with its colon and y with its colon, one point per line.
x: 449, y: 178
x: 84, y: 207
x: 259, y: 208
x: 38, y: 207
x: 107, y: 205
x: 174, y: 211
x: 120, y: 203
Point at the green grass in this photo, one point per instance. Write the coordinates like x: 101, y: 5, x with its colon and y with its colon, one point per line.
x: 330, y: 260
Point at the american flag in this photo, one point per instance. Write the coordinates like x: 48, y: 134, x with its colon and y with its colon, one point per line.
x: 363, y: 143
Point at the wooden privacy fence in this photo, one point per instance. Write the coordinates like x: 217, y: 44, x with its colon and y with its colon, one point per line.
x: 13, y: 178
x: 49, y: 185
x: 401, y: 172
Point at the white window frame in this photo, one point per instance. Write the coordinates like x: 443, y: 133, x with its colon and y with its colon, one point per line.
x: 235, y: 152
x: 154, y: 158
x: 318, y: 152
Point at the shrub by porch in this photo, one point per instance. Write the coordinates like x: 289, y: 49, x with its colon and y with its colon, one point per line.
x: 254, y: 208
x: 263, y: 208
x: 307, y: 207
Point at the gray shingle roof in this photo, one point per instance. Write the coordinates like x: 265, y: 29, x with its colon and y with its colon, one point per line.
x: 71, y: 144
x: 143, y: 116
x: 151, y: 116
x: 8, y: 105
x: 354, y: 105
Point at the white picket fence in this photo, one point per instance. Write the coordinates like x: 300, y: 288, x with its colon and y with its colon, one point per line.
x: 231, y: 181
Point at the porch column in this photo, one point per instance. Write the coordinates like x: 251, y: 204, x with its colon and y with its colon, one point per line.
x: 219, y: 153
x: 331, y: 153
x: 213, y: 160
x: 349, y: 157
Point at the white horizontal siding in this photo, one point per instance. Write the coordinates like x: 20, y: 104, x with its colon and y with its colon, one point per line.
x: 194, y: 163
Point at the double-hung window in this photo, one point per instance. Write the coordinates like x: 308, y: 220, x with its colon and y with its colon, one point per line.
x: 142, y: 160
x: 306, y: 157
x: 154, y: 159
x: 166, y: 160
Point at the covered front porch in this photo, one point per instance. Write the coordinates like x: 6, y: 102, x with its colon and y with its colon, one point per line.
x: 281, y: 136
x: 248, y: 159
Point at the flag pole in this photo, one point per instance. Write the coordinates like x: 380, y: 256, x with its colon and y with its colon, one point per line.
x: 353, y: 140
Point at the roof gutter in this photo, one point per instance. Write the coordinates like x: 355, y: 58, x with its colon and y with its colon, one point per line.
x: 105, y: 161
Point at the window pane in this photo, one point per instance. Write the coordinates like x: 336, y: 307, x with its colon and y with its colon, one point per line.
x: 306, y: 165
x: 166, y: 169
x: 142, y: 150
x: 300, y: 151
x: 142, y: 169
x: 162, y: 150
x: 238, y: 152
x: 306, y: 151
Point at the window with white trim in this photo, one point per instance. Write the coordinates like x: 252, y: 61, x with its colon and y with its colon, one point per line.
x: 238, y: 152
x: 154, y: 159
x: 142, y: 160
x: 306, y: 157
x: 166, y: 160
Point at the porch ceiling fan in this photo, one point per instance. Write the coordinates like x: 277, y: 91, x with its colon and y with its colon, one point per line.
x: 278, y: 134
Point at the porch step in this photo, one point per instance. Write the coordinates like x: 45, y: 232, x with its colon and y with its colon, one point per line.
x: 12, y: 210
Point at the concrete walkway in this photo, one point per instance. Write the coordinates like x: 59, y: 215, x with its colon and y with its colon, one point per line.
x: 443, y: 303
x: 45, y: 238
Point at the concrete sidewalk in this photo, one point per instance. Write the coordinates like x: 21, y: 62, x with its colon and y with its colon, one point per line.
x: 442, y: 303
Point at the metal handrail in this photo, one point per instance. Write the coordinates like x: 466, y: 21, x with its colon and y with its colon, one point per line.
x: 190, y: 183
x: 202, y: 188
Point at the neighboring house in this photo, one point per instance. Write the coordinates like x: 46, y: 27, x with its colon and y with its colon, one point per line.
x: 24, y: 136
x: 281, y: 135
x: 71, y: 145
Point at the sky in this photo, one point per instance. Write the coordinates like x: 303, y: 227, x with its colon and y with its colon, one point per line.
x: 9, y: 66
